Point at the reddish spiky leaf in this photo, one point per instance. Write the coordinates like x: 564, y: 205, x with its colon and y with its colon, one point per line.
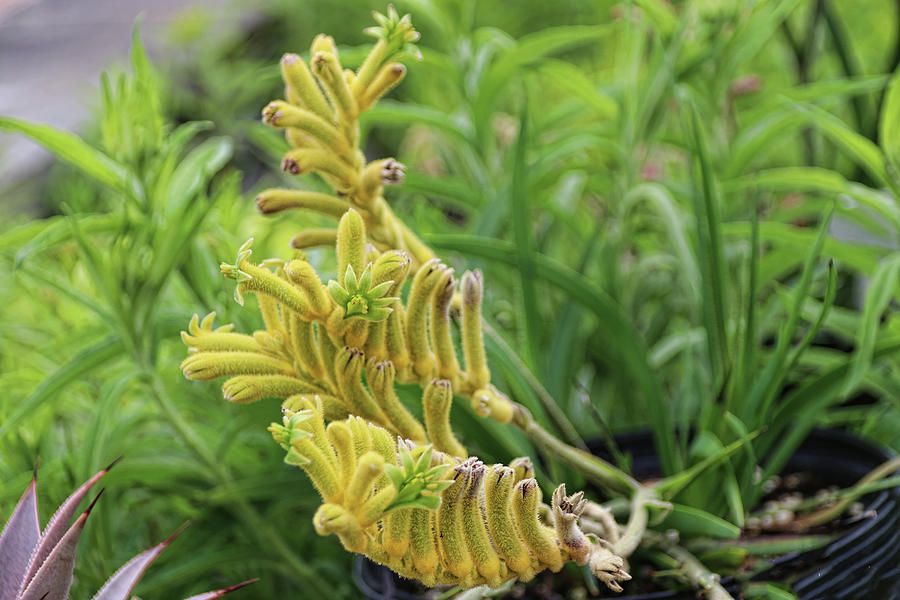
x: 219, y: 593
x: 121, y: 584
x: 17, y: 542
x: 54, y: 578
x: 59, y: 523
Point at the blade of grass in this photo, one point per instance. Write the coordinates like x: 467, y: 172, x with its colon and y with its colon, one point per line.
x: 520, y: 210
x: 78, y: 366
x: 75, y: 151
x: 710, y: 250
x: 800, y: 410
x: 754, y: 407
x: 883, y: 288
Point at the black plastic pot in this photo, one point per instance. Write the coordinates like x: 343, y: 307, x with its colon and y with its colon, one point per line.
x: 863, y: 564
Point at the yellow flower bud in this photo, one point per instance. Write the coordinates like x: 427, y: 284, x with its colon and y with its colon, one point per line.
x: 437, y: 400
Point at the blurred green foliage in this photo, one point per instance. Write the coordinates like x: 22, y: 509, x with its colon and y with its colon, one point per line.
x: 641, y: 182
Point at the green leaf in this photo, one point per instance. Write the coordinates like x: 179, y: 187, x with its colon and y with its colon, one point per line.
x: 37, y: 236
x: 528, y: 49
x: 673, y: 484
x: 520, y: 210
x: 661, y: 13
x: 816, y: 179
x: 801, y: 410
x: 75, y: 151
x: 769, y: 591
x: 80, y: 365
x: 753, y: 34
x: 195, y: 170
x: 387, y: 112
x: 693, y: 522
x: 710, y: 249
x: 855, y: 145
x: 882, y: 288
x: 755, y: 406
x: 783, y: 235
x: 566, y: 76
x: 889, y: 125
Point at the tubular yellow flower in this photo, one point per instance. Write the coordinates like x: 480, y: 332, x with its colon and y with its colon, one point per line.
x: 424, y: 284
x: 477, y: 373
x: 300, y: 82
x: 381, y: 381
x: 276, y: 200
x: 445, y: 353
x: 436, y: 400
x: 348, y: 368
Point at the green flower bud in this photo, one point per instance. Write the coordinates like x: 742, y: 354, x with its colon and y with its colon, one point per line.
x: 441, y: 339
x: 477, y: 539
x: 281, y: 114
x: 348, y: 370
x: 327, y: 69
x: 499, y: 483
x: 335, y: 170
x: 304, y: 276
x: 306, y: 349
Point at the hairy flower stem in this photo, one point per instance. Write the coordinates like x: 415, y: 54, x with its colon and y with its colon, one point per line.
x: 637, y: 523
x: 596, y: 469
x: 246, y: 511
x: 701, y: 578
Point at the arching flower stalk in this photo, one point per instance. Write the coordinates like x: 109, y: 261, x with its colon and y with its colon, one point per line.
x: 404, y: 492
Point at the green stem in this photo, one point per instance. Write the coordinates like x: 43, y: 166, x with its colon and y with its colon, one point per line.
x: 637, y: 523
x: 246, y: 511
x: 599, y: 471
x: 700, y: 577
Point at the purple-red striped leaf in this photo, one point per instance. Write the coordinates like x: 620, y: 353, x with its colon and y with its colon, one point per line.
x: 17, y: 542
x: 59, y: 524
x: 219, y: 593
x: 54, y: 578
x: 121, y: 584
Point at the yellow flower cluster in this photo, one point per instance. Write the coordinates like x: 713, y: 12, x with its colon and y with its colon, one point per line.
x: 488, y: 526
x: 402, y: 491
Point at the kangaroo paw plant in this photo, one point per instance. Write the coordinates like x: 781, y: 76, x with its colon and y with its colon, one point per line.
x: 403, y: 492
x: 36, y: 565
